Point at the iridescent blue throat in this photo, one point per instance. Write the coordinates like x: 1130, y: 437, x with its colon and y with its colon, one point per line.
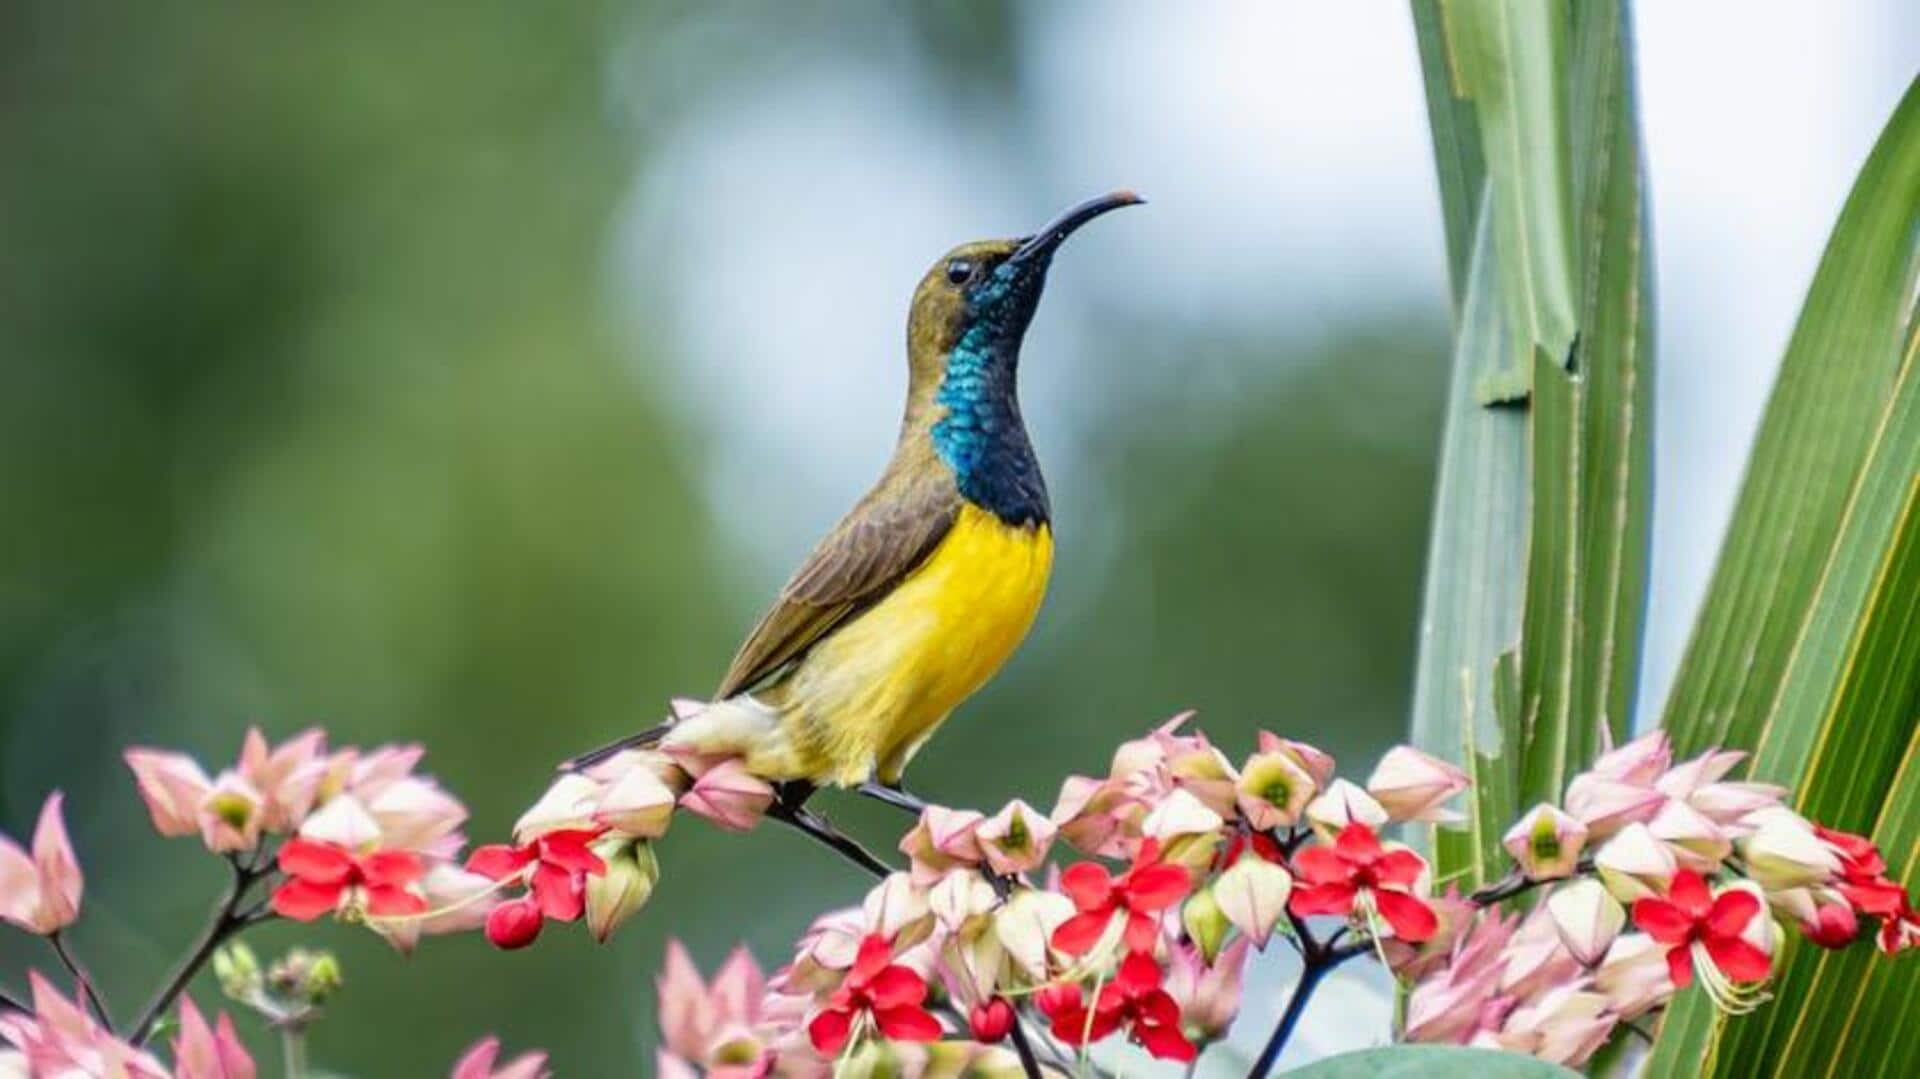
x: 981, y: 437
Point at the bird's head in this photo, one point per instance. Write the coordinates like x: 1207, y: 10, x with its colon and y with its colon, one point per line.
x: 979, y: 298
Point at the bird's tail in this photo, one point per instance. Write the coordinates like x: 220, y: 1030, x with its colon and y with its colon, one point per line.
x: 649, y: 737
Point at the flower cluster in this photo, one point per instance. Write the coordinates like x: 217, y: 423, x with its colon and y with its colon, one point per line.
x: 1192, y: 862
x: 1698, y: 865
x: 355, y: 834
x: 360, y: 835
x: 585, y: 848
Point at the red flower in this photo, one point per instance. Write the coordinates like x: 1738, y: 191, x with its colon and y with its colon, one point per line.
x: 560, y: 863
x: 1863, y: 874
x: 991, y: 1019
x: 324, y: 877
x: 1833, y: 925
x: 1142, y: 892
x: 1691, y: 915
x: 878, y: 987
x: 1133, y: 999
x: 1356, y: 868
x: 1900, y: 931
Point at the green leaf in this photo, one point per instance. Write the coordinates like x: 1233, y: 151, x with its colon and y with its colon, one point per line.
x: 1540, y: 520
x: 1509, y: 58
x: 1456, y: 148
x: 1423, y: 1061
x: 1808, y: 647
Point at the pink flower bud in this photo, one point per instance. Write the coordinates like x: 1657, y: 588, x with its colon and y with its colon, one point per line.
x: 1587, y: 918
x: 1343, y: 804
x: 1546, y: 843
x: 1016, y: 839
x: 568, y: 803
x: 941, y: 840
x: 1566, y: 1025
x: 1697, y: 843
x: 1607, y: 805
x: 173, y: 786
x: 1633, y: 975
x: 1450, y: 1004
x: 40, y: 893
x: 1634, y: 864
x: 636, y: 803
x: 1639, y: 762
x: 288, y: 777
x: 208, y: 1052
x: 481, y: 1061
x: 1412, y: 785
x: 1025, y: 925
x: 1316, y: 764
x: 1535, y: 957
x: 729, y: 796
x: 1188, y: 831
x: 1274, y: 790
x: 1253, y: 894
x: 898, y: 910
x: 1783, y: 851
x: 344, y: 822
x: 415, y: 814
x: 961, y: 898
x: 1208, y: 993
x: 1088, y: 816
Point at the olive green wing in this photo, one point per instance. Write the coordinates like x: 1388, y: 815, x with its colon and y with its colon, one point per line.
x: 886, y: 537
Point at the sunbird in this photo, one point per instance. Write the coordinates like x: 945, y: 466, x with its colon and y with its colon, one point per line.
x: 919, y: 595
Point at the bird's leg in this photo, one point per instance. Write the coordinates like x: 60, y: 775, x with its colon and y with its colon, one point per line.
x: 894, y: 795
x: 790, y: 808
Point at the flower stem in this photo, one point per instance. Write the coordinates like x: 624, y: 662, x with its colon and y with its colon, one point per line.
x: 1310, y: 976
x: 1018, y: 1035
x: 80, y: 975
x: 226, y: 921
x: 293, y: 1050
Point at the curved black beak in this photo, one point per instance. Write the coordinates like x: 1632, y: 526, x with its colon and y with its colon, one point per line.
x: 1041, y: 245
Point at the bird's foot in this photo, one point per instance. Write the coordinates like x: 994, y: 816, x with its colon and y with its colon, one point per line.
x: 789, y: 808
x: 893, y: 795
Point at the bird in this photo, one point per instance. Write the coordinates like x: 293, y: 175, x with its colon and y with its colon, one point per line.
x: 919, y: 595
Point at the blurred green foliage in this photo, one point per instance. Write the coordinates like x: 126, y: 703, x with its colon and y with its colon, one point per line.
x: 315, y: 407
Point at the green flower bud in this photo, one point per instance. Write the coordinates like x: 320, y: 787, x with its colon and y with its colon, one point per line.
x: 238, y: 971
x: 620, y: 892
x: 1205, y: 923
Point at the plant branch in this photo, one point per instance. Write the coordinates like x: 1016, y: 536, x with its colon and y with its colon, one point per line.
x: 1018, y: 1035
x: 95, y: 1002
x: 1517, y: 883
x: 226, y: 921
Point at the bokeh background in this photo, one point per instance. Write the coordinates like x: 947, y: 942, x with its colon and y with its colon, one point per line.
x: 472, y: 373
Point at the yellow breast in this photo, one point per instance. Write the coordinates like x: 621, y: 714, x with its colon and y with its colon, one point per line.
x: 864, y: 699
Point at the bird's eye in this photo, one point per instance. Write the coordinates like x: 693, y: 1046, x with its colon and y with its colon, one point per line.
x: 959, y: 270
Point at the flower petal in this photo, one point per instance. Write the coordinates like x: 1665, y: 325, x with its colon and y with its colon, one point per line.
x: 392, y: 901
x: 876, y: 953
x: 896, y: 986
x: 1156, y: 887
x: 908, y: 1023
x: 1412, y: 920
x: 829, y: 1030
x: 1164, y: 1042
x: 304, y: 900
x: 1401, y: 867
x: 1321, y: 865
x: 1679, y: 967
x: 393, y: 868
x: 1689, y: 893
x: 1732, y: 910
x: 1662, y: 920
x: 561, y: 895
x: 1335, y: 898
x: 1078, y: 934
x: 1738, y: 959
x: 1088, y: 884
x: 321, y: 863
x: 1357, y: 843
x: 498, y: 861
